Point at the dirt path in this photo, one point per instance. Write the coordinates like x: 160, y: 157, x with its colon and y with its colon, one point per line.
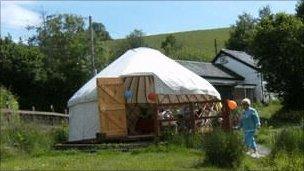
x: 262, y: 151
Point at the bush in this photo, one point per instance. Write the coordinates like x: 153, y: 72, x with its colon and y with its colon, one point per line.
x: 8, y: 101
x: 223, y: 149
x: 291, y: 116
x: 60, y: 134
x: 289, y: 140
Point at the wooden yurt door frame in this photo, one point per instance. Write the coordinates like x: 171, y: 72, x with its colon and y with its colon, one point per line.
x: 111, y: 104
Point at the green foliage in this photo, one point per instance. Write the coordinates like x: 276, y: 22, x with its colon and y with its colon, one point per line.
x: 134, y: 40
x: 60, y: 134
x: 7, y: 99
x: 285, y: 161
x: 100, y: 31
x: 223, y: 149
x: 288, y: 149
x: 289, y: 140
x: 277, y: 44
x: 288, y: 116
x: 264, y: 12
x: 56, y: 62
x: 300, y: 9
x: 29, y: 139
x: 241, y: 34
x: 170, y: 45
x: 268, y: 111
x: 19, y: 138
x: 22, y: 71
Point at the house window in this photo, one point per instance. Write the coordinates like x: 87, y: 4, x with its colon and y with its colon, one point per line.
x: 241, y: 93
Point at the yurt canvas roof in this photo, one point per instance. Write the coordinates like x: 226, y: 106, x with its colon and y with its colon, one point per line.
x: 171, y: 77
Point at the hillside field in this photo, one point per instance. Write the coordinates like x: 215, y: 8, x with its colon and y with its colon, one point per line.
x: 199, y: 43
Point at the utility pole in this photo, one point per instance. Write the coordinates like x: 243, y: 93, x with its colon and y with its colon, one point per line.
x: 92, y: 46
x: 215, y: 46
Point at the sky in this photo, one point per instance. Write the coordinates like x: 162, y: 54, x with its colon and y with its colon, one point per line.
x: 122, y: 17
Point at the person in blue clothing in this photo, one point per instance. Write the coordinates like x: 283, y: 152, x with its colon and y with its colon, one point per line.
x: 250, y: 122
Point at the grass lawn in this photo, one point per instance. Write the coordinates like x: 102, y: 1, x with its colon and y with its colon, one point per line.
x: 151, y: 158
x: 161, y: 157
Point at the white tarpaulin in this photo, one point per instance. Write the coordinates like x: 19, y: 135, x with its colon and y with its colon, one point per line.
x: 140, y: 61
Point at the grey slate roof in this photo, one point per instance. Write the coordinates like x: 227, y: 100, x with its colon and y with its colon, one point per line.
x: 242, y: 56
x: 209, y: 70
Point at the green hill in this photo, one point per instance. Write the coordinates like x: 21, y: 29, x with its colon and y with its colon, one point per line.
x: 196, y: 45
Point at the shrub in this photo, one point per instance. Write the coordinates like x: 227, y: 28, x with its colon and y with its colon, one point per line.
x: 291, y: 116
x: 8, y: 101
x: 60, y: 134
x: 223, y: 149
x: 289, y: 140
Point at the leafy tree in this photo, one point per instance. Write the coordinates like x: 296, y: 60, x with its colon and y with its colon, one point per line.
x: 170, y: 45
x: 135, y: 39
x: 278, y: 44
x: 241, y: 35
x: 65, y: 41
x: 264, y: 12
x: 100, y: 31
x: 300, y: 9
x: 22, y: 71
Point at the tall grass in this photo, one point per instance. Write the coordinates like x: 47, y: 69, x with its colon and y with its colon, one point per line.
x: 289, y: 140
x: 188, y: 140
x: 288, y: 150
x: 18, y: 138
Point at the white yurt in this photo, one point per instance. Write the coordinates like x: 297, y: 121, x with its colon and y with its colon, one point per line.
x: 171, y: 81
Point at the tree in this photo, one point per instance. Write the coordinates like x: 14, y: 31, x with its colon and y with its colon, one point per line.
x: 278, y: 44
x: 241, y: 34
x: 135, y: 39
x: 264, y: 12
x: 170, y: 45
x: 300, y: 9
x: 65, y: 41
x: 100, y: 31
x: 22, y: 71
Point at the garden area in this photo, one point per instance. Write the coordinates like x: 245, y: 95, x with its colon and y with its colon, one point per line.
x: 30, y: 146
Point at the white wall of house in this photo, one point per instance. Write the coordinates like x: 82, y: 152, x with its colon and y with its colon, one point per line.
x: 251, y: 75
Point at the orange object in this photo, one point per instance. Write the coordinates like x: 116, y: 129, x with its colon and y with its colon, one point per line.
x: 152, y: 96
x: 232, y: 104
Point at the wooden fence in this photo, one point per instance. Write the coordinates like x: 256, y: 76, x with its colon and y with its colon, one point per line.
x: 45, y: 118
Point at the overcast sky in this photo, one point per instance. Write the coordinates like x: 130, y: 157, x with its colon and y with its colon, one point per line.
x: 121, y: 17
